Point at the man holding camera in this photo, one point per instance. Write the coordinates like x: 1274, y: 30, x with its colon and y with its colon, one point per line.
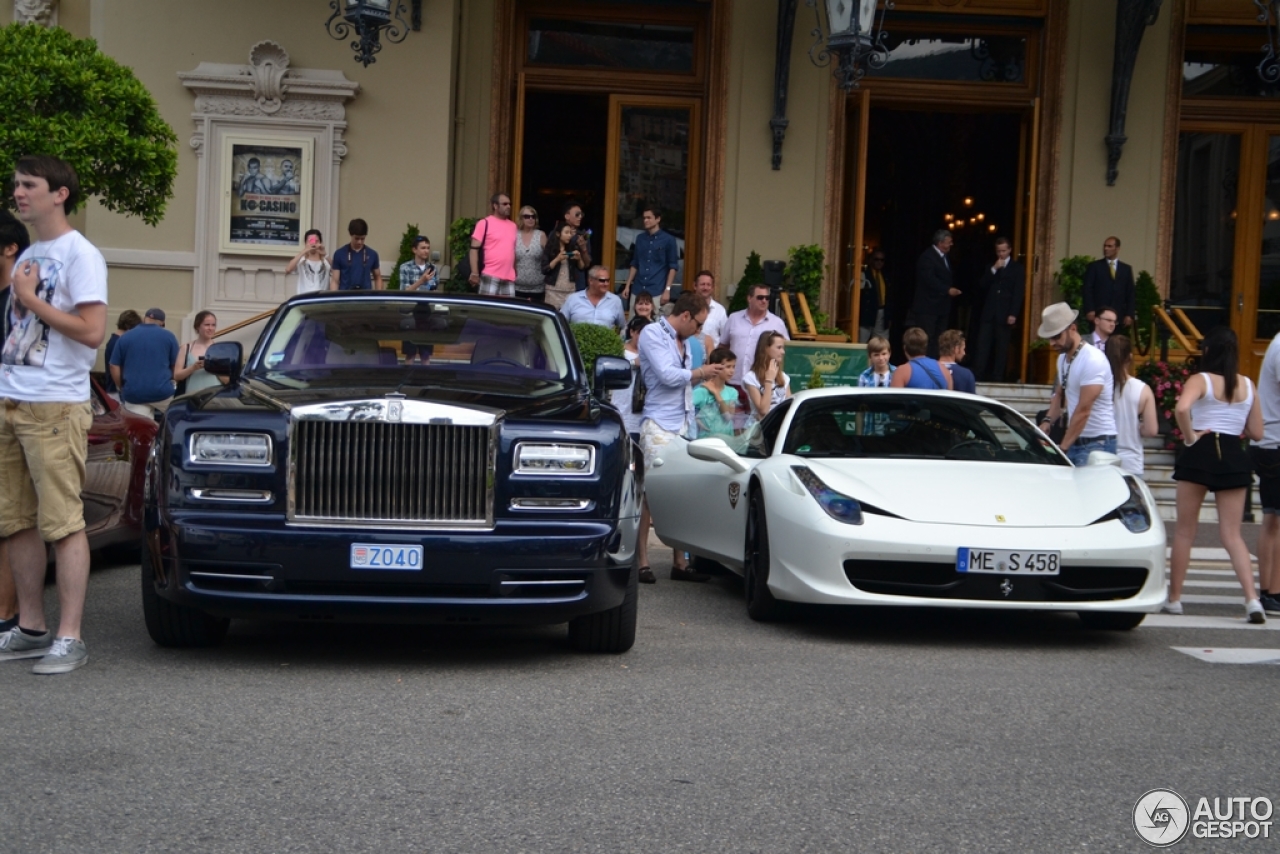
x: 418, y: 273
x: 654, y: 260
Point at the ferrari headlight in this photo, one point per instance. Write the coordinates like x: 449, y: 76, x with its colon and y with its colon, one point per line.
x: 557, y: 459
x: 840, y: 507
x: 241, y: 449
x: 1134, y: 513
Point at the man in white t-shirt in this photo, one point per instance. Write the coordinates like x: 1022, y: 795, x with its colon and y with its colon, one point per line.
x: 1085, y: 374
x: 58, y: 320
x: 705, y: 286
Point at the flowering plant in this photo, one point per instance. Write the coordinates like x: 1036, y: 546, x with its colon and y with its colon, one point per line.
x: 1166, y: 380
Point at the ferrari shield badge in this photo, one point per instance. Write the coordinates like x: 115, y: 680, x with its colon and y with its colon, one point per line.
x: 999, y: 518
x: 735, y: 489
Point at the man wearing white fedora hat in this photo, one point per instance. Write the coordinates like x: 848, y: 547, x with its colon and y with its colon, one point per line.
x: 1085, y: 375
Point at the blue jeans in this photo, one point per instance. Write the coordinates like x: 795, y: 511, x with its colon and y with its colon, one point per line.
x: 1078, y: 453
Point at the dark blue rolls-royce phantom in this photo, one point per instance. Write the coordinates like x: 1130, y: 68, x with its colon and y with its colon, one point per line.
x: 401, y: 457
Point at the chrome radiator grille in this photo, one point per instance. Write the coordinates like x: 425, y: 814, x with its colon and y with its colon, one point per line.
x: 397, y: 474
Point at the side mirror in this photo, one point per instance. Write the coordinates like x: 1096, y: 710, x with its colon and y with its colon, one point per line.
x: 224, y: 360
x: 611, y: 374
x: 715, y: 450
x: 1102, y: 458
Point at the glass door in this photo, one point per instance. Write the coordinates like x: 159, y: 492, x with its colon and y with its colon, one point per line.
x: 652, y: 160
x: 1226, y: 251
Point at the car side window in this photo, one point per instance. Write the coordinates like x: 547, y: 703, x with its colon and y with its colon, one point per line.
x: 760, y: 440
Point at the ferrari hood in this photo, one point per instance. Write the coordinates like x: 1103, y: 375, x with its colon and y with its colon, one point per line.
x: 978, y: 493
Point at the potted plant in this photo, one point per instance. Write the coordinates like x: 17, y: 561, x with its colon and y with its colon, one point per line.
x: 595, y: 340
x: 1166, y: 381
x: 1040, y: 362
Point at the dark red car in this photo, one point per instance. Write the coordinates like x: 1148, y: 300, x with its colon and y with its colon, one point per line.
x: 119, y: 442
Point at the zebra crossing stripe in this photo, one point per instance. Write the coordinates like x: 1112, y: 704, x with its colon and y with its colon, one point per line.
x: 1231, y: 655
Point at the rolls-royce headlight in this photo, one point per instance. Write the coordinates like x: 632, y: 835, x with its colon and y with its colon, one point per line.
x: 240, y: 449
x: 557, y: 459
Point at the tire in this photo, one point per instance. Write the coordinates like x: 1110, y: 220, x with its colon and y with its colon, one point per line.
x: 1110, y: 621
x: 176, y: 625
x: 761, y: 604
x: 612, y: 631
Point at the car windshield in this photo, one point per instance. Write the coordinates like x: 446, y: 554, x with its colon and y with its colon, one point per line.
x: 416, y: 343
x: 924, y: 426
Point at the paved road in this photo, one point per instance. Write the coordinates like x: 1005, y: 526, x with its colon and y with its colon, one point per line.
x: 904, y: 730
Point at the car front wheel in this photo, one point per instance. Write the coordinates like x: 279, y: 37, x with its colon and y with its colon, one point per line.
x: 609, y: 631
x: 175, y: 625
x: 761, y: 604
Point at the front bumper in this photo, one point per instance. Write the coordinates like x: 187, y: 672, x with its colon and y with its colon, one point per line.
x: 890, y: 561
x: 518, y: 572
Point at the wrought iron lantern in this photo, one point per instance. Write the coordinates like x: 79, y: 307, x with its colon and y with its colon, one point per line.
x: 853, y: 39
x: 1269, y: 16
x: 370, y: 22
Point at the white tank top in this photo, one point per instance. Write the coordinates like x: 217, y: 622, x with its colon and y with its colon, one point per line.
x: 1128, y: 404
x: 1209, y: 413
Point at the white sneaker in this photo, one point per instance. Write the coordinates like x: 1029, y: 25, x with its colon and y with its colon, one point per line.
x: 1253, y: 612
x: 1171, y: 608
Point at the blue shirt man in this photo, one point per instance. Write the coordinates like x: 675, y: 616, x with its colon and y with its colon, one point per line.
x: 356, y: 266
x: 654, y: 260
x: 143, y: 359
x: 595, y: 304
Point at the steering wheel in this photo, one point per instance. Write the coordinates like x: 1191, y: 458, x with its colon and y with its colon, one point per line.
x: 499, y: 360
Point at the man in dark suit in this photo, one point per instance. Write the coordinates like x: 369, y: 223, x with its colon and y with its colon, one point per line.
x: 1002, y: 288
x: 873, y: 317
x: 934, y: 290
x: 1109, y: 281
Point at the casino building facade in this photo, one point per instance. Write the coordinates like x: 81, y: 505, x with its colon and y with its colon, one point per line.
x: 1055, y: 123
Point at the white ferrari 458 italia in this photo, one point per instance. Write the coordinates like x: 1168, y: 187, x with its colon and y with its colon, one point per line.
x: 903, y: 497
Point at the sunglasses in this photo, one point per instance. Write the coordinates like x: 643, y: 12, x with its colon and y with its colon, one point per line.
x: 599, y: 278
x: 761, y: 297
x: 528, y: 216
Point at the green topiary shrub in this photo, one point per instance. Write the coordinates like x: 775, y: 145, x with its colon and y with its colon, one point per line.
x: 595, y: 340
x: 406, y: 252
x: 1071, y: 284
x: 804, y: 271
x: 1147, y: 296
x: 459, y: 245
x: 64, y: 97
x: 751, y: 275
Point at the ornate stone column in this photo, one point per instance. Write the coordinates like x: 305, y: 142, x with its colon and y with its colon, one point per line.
x: 266, y: 100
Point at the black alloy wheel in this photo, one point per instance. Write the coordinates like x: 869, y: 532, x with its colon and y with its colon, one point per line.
x: 761, y: 604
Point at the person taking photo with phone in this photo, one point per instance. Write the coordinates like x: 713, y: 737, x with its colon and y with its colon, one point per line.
x: 190, y: 367
x: 311, y: 265
x: 562, y: 265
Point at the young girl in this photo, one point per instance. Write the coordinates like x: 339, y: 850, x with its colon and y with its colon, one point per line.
x: 1215, y: 407
x: 621, y: 398
x: 714, y: 401
x: 766, y: 384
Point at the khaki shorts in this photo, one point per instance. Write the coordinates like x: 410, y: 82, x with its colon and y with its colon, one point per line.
x: 42, y: 465
x: 653, y: 441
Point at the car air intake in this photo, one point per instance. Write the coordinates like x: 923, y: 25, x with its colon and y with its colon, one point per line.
x: 372, y: 473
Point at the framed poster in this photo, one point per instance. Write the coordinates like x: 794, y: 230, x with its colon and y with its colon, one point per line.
x: 266, y: 197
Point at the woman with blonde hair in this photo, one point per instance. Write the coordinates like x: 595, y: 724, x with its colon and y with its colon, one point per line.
x: 1215, y: 407
x: 530, y: 241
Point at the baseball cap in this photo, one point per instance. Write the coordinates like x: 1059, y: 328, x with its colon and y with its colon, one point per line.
x: 156, y: 314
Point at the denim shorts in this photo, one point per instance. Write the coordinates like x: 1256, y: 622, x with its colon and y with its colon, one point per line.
x: 1079, y: 451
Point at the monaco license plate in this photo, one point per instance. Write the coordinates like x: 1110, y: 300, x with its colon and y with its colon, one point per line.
x: 404, y: 558
x: 999, y: 562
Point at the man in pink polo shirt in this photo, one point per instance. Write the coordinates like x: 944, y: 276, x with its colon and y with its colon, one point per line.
x: 496, y: 234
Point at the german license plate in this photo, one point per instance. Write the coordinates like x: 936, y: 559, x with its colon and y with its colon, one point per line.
x: 404, y: 558
x: 999, y: 562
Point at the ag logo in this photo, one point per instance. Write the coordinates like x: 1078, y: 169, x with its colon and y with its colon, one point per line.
x: 1161, y: 818
x: 735, y: 489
